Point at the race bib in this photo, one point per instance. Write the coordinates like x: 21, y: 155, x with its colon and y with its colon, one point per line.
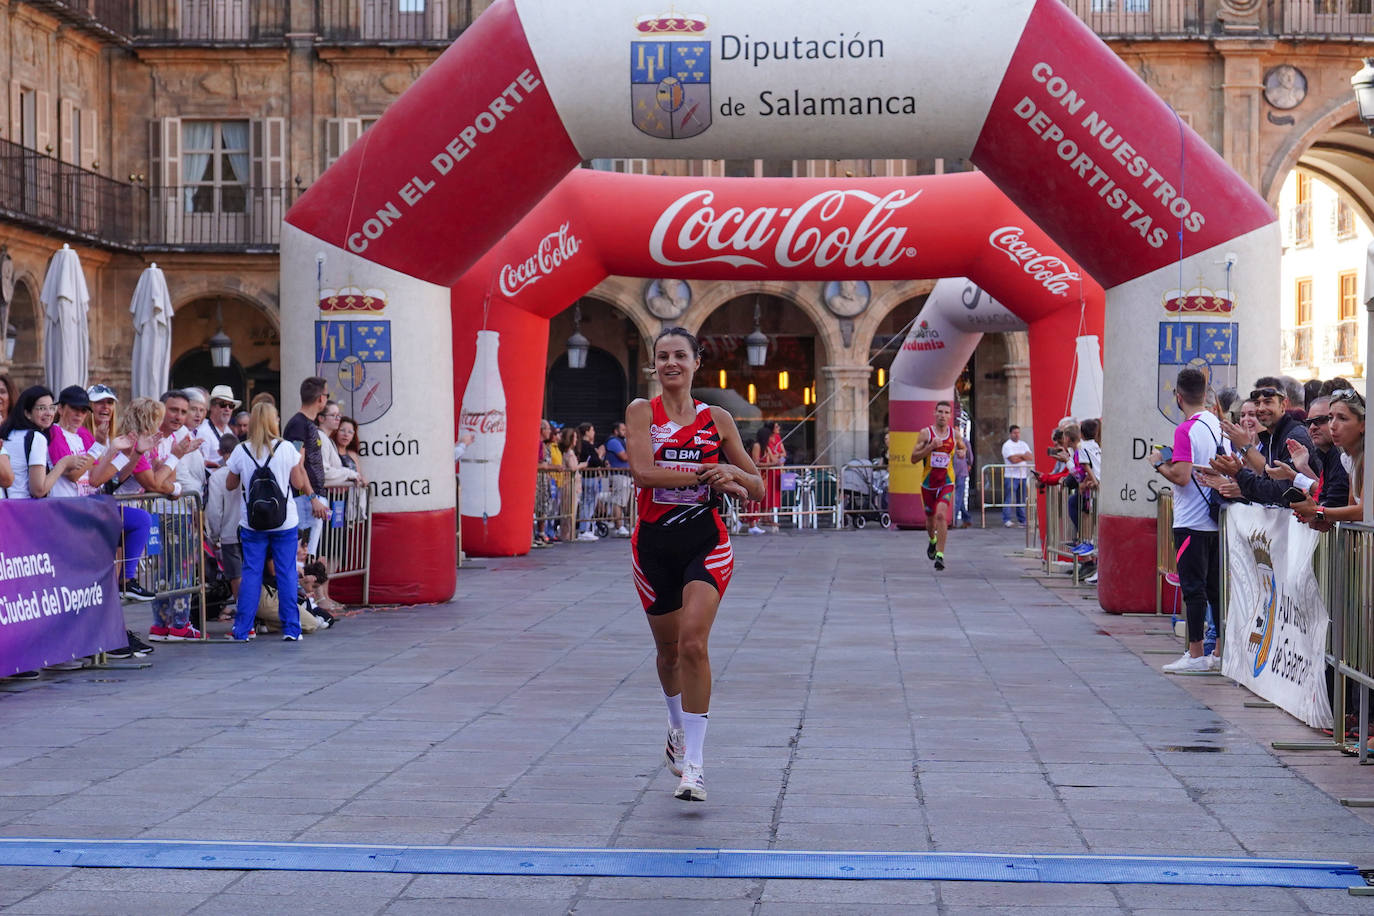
x: 690, y: 495
x: 939, y: 459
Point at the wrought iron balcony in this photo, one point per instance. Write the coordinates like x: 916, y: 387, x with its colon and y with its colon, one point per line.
x: 44, y: 193
x: 393, y: 21
x: 210, y: 22
x: 108, y: 18
x: 228, y: 217
x: 1321, y: 18
x: 1143, y: 18
x: 1296, y: 346
x: 48, y: 194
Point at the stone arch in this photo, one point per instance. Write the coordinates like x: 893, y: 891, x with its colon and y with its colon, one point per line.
x: 1288, y: 157
x: 627, y: 295
x: 28, y: 350
x: 805, y: 296
x: 887, y: 300
x: 201, y: 288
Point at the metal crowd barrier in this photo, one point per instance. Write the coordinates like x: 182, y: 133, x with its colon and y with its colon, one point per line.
x: 1032, y: 521
x: 993, y: 480
x: 600, y: 500
x: 1166, y: 558
x: 1349, y: 590
x: 174, y: 564
x: 806, y: 496
x: 1059, y: 530
x: 346, y: 540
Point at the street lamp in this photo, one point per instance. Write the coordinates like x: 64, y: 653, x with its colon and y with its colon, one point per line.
x: 220, y: 345
x: 757, y: 342
x: 577, y: 343
x: 1363, y: 84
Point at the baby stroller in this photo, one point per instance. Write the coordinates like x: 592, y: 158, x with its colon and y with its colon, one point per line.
x: 865, y: 493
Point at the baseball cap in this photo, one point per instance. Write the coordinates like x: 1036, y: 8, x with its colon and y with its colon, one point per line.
x: 101, y: 393
x: 74, y: 396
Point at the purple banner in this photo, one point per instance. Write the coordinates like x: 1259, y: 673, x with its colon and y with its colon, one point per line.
x: 58, y: 595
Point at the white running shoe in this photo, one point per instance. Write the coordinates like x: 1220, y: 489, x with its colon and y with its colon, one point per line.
x: 1214, y: 661
x: 1009, y: 524
x: 622, y: 532
x: 588, y: 536
x: 755, y: 529
x: 674, y: 750
x: 693, y: 785
x: 1189, y: 665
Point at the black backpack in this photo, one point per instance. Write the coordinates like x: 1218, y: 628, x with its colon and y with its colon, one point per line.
x: 265, y: 503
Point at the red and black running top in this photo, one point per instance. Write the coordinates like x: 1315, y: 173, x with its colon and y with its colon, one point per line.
x: 680, y: 448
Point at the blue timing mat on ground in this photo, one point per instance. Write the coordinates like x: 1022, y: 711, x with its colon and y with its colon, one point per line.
x: 677, y: 863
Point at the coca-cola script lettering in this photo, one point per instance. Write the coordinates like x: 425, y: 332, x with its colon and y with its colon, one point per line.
x: 1046, y: 269
x: 487, y: 421
x: 554, y: 249
x: 818, y: 232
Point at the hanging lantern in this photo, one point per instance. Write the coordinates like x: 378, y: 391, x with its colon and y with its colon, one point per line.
x: 577, y: 343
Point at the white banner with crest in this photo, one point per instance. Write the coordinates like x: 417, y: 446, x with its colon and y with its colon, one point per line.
x: 1276, y: 621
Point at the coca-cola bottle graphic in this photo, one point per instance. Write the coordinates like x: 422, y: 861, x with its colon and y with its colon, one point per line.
x: 484, y: 415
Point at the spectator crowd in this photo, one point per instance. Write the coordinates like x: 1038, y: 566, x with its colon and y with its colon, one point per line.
x: 191, y: 448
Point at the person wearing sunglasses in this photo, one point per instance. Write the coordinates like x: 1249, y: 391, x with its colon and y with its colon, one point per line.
x: 1257, y: 454
x: 1332, y: 489
x: 1347, y: 432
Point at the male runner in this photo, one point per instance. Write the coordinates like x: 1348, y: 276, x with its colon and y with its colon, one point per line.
x: 939, y: 443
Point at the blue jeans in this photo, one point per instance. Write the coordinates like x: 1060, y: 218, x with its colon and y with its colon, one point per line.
x: 256, y: 545
x: 1014, y: 491
x: 960, y: 500
x: 180, y: 552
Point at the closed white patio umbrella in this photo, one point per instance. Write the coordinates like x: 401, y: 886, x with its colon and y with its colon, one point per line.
x: 152, y: 311
x: 66, y: 334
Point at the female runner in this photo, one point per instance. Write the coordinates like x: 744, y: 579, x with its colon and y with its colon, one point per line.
x: 680, y: 550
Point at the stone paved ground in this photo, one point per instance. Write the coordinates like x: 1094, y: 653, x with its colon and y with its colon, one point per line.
x: 861, y: 703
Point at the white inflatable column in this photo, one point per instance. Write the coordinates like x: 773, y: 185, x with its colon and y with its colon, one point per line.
x: 382, y: 341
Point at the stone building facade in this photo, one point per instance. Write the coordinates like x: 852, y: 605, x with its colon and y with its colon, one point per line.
x: 166, y: 131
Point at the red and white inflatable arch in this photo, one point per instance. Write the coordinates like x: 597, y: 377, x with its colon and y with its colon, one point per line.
x: 393, y: 246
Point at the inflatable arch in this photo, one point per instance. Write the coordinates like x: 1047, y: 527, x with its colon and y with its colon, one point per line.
x: 1048, y: 113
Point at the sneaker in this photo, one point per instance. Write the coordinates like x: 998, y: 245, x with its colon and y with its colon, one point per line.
x: 130, y: 590
x: 676, y: 748
x: 1213, y: 661
x: 755, y: 529
x: 588, y: 536
x: 1009, y: 524
x: 122, y: 653
x: 622, y: 532
x: 140, y: 647
x: 939, y: 561
x: 1189, y: 665
x: 1084, y: 549
x: 930, y: 550
x: 293, y: 638
x: 324, y: 624
x: 693, y: 785
x: 181, y: 634
x: 158, y: 634
x: 1092, y: 580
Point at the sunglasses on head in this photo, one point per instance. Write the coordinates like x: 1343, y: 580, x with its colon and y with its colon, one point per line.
x: 1349, y: 395
x: 1259, y: 393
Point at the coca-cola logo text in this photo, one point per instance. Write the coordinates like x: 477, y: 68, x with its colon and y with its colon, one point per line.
x: 1049, y: 271
x: 483, y: 421
x: 818, y: 232
x: 553, y: 250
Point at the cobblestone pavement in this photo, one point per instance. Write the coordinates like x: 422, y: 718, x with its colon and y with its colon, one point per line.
x: 861, y: 702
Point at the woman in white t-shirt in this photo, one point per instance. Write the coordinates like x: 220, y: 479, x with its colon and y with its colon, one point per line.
x: 26, y: 442
x: 266, y: 448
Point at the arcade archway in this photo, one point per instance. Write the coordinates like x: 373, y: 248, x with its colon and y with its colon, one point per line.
x: 1098, y: 162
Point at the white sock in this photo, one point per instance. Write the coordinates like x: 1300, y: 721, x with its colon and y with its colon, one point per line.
x: 694, y: 729
x: 674, y: 710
